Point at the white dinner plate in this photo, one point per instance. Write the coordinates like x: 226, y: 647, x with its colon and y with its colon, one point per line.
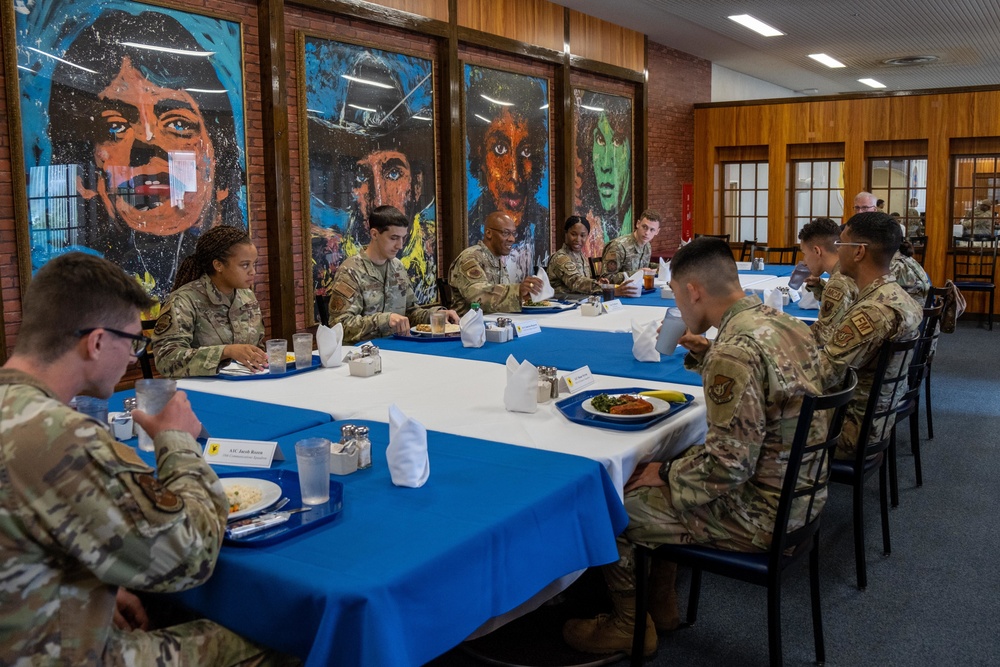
x: 449, y: 330
x: 659, y: 407
x: 269, y: 491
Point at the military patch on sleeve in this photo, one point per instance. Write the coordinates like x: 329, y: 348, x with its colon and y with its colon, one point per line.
x: 863, y: 324
x: 162, y: 498
x: 163, y: 323
x: 127, y: 454
x: 344, y: 289
x: 721, y: 390
x: 833, y: 294
x: 843, y: 336
x: 472, y: 269
x: 338, y: 304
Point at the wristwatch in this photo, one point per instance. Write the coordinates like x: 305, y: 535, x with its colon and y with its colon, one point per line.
x: 665, y: 471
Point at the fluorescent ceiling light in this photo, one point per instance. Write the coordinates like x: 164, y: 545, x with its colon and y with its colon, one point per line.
x: 421, y: 117
x: 164, y: 49
x: 756, y: 25
x: 49, y: 55
x: 359, y: 108
x: 872, y: 82
x: 367, y: 82
x: 484, y: 119
x: 500, y: 102
x: 592, y: 108
x: 204, y: 90
x: 826, y: 60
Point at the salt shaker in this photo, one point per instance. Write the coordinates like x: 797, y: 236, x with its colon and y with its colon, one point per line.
x: 364, y: 446
x: 544, y: 385
x: 553, y: 377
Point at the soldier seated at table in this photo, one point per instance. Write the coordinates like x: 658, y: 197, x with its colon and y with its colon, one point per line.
x: 724, y: 493
x: 569, y: 271
x: 627, y: 254
x: 909, y: 274
x: 817, y: 240
x: 883, y: 311
x: 371, y: 295
x: 479, y: 274
x: 85, y: 517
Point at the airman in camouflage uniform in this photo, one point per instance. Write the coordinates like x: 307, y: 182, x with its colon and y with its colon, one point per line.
x: 631, y: 252
x: 364, y: 294
x: 477, y: 275
x: 835, y: 297
x: 197, y: 322
x: 569, y: 273
x: 82, y: 517
x: 911, y: 277
x: 882, y: 311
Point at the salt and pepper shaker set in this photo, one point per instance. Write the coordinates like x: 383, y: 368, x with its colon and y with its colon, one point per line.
x: 548, y: 383
x: 353, y: 452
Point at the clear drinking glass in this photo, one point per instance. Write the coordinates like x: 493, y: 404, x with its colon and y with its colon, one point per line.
x: 277, y: 351
x: 151, y: 397
x: 302, y: 344
x: 312, y: 455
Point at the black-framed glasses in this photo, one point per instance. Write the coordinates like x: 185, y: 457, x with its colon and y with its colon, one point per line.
x: 139, y: 342
x: 858, y: 209
x: 505, y: 233
x: 846, y: 243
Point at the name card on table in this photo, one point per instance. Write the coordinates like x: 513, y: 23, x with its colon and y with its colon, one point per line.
x: 527, y: 328
x: 242, y: 453
x: 613, y: 306
x: 577, y: 380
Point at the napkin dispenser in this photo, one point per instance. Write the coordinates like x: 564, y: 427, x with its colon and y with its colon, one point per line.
x: 121, y: 425
x: 366, y: 362
x: 500, y: 332
x: 591, y: 307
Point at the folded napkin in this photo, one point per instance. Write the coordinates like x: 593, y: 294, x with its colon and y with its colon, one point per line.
x: 406, y: 454
x: 773, y: 298
x: 663, y: 273
x: 644, y: 341
x: 808, y: 301
x: 521, y: 392
x: 236, y: 368
x: 473, y: 329
x: 547, y: 291
x: 329, y: 340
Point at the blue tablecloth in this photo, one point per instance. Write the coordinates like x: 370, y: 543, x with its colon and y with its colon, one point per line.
x: 567, y: 349
x: 403, y: 575
x: 239, y: 418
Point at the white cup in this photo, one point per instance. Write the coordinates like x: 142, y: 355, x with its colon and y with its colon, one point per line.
x: 151, y: 397
x: 671, y: 330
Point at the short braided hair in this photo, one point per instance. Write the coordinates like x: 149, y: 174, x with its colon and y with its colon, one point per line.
x: 215, y: 244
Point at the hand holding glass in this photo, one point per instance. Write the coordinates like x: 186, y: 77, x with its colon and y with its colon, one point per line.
x: 151, y: 397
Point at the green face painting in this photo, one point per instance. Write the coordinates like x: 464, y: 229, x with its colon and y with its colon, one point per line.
x: 612, y: 158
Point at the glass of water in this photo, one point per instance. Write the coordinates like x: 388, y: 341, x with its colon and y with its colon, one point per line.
x: 313, y: 458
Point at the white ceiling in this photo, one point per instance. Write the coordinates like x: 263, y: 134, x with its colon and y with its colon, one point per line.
x: 963, y: 34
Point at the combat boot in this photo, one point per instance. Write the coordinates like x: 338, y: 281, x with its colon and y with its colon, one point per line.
x: 663, y: 595
x: 610, y: 633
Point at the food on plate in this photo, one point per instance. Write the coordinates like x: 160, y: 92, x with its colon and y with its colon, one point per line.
x: 241, y: 497
x: 666, y: 395
x: 540, y: 304
x: 625, y: 404
x: 290, y: 357
x: 448, y: 328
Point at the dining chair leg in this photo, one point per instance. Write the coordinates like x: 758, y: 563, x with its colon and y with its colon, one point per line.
x: 927, y: 401
x: 859, y: 535
x: 893, y: 472
x: 641, y: 560
x: 693, y: 596
x: 884, y: 502
x: 991, y: 310
x: 915, y: 443
x: 817, y: 610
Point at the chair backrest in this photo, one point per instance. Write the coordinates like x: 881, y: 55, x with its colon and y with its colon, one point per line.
x: 890, y: 383
x: 724, y: 237
x: 145, y: 362
x: 953, y: 304
x: 974, y: 261
x: 808, y: 470
x: 746, y: 254
x: 596, y: 266
x: 920, y: 361
x: 445, y: 295
x: 919, y: 244
x: 774, y: 255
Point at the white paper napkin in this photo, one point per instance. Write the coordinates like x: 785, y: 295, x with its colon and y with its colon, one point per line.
x: 772, y: 297
x: 473, y: 329
x: 547, y: 291
x: 521, y: 392
x: 644, y: 341
x: 663, y: 274
x: 808, y: 301
x: 406, y: 454
x: 329, y: 340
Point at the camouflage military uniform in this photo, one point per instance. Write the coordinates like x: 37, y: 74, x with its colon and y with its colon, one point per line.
x: 623, y: 257
x: 364, y: 294
x: 569, y: 273
x: 882, y: 311
x: 479, y: 275
x: 911, y: 277
x: 835, y: 297
x: 198, y: 322
x: 725, y: 493
x: 81, y: 515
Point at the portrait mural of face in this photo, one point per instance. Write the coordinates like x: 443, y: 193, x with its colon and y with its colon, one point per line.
x: 370, y: 133
x: 507, y: 135
x: 603, y: 193
x: 141, y: 117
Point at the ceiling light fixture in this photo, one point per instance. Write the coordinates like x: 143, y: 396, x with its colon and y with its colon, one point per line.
x: 165, y: 49
x: 872, y: 82
x: 367, y: 82
x: 756, y: 25
x: 500, y: 102
x: 826, y: 60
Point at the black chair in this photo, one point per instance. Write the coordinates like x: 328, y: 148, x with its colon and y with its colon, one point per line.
x: 934, y: 295
x: 322, y: 309
x: 806, y: 477
x: 909, y: 402
x: 746, y: 254
x: 772, y: 255
x: 724, y: 237
x: 144, y: 360
x: 919, y: 244
x: 974, y: 263
x: 596, y: 266
x: 445, y: 295
x: 890, y: 381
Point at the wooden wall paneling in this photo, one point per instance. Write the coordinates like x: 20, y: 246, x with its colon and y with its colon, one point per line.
x: 595, y: 39
x: 452, y: 202
x: 277, y: 183
x: 938, y: 227
x: 563, y: 85
x: 778, y: 195
x: 640, y: 123
x: 383, y: 15
x: 433, y: 9
x: 537, y: 22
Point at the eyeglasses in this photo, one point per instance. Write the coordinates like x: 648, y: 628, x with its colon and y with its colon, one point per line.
x: 865, y: 208
x: 846, y: 243
x: 505, y: 233
x: 139, y: 342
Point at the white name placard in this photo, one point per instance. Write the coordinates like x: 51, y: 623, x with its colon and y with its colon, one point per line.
x: 243, y: 453
x: 527, y: 328
x: 578, y: 380
x: 613, y: 306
